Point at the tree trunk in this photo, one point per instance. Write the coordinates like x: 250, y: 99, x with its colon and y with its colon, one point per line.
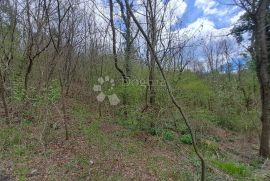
x: 3, y: 96
x: 28, y: 71
x: 152, y: 29
x: 128, y: 50
x: 151, y: 82
x: 115, y: 57
x: 64, y: 114
x: 263, y: 74
x: 265, y: 118
x: 128, y: 56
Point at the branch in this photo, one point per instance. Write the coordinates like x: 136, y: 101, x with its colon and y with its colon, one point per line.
x: 114, y: 43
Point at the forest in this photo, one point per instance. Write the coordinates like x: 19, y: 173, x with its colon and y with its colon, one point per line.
x: 147, y: 90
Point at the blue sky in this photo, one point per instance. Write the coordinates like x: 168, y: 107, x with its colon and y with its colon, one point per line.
x: 194, y: 20
x: 192, y: 13
x: 207, y: 18
x: 218, y: 13
x: 214, y: 15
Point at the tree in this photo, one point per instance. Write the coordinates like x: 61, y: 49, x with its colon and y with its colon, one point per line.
x: 8, y: 40
x: 129, y: 38
x: 60, y: 43
x: 36, y: 42
x: 256, y: 21
x: 213, y: 51
x: 155, y: 25
x: 115, y: 57
x: 177, y: 105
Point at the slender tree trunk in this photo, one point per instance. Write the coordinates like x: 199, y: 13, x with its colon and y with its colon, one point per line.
x: 3, y: 97
x: 153, y: 39
x: 127, y: 63
x: 152, y: 95
x: 64, y: 113
x: 115, y: 57
x: 265, y: 118
x: 26, y: 78
x: 263, y: 74
x: 128, y: 52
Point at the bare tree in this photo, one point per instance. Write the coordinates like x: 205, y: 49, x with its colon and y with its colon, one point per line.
x: 8, y: 9
x: 57, y: 36
x: 36, y: 42
x: 156, y: 59
x: 213, y: 51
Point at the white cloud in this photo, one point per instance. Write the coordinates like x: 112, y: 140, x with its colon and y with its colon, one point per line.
x: 235, y: 18
x: 204, y: 31
x: 175, y: 9
x: 202, y: 23
x: 209, y: 7
x: 203, y: 27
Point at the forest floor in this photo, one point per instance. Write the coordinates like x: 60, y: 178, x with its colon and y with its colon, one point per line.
x: 100, y: 149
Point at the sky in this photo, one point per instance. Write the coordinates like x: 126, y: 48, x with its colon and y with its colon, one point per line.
x: 222, y: 15
x: 198, y: 19
x: 214, y: 15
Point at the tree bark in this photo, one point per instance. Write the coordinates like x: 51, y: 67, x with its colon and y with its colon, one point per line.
x: 263, y: 73
x: 128, y: 53
x: 152, y: 30
x: 28, y: 71
x: 64, y: 111
x: 3, y: 96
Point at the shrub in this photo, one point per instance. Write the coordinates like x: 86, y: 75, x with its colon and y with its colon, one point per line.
x: 168, y: 135
x: 186, y: 139
x: 184, y: 130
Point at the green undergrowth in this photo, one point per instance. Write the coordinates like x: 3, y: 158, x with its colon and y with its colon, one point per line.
x: 233, y: 168
x: 16, y: 148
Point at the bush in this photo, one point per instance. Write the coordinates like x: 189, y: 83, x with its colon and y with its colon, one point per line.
x: 184, y: 130
x: 186, y: 139
x: 168, y: 135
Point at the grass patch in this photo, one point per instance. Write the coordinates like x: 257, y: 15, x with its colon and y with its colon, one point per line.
x: 95, y: 136
x: 21, y: 172
x: 10, y: 137
x: 132, y: 148
x: 81, y: 114
x: 232, y: 168
x: 11, y: 143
